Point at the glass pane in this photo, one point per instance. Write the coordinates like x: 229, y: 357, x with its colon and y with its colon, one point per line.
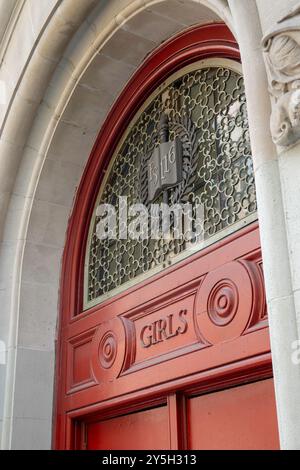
x: 204, y: 107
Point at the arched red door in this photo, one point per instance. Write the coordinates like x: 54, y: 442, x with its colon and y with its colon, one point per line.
x: 165, y: 345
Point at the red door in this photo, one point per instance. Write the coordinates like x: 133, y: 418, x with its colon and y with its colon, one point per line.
x: 146, y: 429
x: 238, y: 418
x: 242, y: 418
x: 181, y: 359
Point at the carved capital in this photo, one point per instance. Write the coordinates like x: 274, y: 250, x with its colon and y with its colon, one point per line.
x: 281, y: 48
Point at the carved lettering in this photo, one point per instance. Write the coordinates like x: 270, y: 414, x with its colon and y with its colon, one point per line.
x: 164, y: 329
x: 182, y: 329
x: 164, y: 167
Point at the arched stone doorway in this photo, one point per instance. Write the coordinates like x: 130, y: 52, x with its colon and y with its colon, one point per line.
x: 108, y: 378
x: 69, y: 118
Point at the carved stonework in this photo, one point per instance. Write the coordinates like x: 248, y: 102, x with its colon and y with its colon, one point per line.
x: 282, y: 57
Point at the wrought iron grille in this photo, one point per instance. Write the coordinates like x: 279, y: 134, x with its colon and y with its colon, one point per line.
x: 205, y: 106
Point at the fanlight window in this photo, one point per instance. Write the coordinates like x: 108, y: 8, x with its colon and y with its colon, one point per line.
x: 201, y: 111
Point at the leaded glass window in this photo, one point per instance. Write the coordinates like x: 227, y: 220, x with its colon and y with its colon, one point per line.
x: 203, y: 109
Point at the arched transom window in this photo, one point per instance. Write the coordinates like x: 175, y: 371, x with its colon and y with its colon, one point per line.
x: 181, y: 178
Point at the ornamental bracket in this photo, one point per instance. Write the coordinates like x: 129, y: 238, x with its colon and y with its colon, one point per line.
x: 281, y: 50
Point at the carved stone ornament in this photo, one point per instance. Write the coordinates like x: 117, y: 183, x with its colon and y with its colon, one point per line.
x: 281, y: 47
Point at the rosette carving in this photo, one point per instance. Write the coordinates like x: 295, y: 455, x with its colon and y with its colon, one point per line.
x: 229, y: 301
x: 108, y: 350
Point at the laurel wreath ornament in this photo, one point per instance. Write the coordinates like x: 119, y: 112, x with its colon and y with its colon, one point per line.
x: 186, y: 130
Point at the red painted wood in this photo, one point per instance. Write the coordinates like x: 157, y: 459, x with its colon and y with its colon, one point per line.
x: 177, y: 421
x: 141, y: 430
x: 241, y: 418
x: 164, y: 343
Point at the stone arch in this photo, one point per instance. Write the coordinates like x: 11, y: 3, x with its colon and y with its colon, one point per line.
x: 74, y: 103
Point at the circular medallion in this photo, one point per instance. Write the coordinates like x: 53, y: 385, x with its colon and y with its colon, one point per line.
x: 108, y: 350
x: 222, y: 302
x: 226, y: 302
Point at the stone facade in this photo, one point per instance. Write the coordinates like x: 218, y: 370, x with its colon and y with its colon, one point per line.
x: 63, y: 63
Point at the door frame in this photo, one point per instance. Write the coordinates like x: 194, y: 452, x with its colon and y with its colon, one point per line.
x: 196, y: 43
x: 174, y: 396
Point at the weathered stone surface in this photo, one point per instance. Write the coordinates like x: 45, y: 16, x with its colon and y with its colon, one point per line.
x: 282, y: 56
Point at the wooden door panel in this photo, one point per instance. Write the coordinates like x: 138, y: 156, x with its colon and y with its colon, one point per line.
x: 201, y: 325
x: 141, y: 431
x: 174, y: 314
x: 243, y: 417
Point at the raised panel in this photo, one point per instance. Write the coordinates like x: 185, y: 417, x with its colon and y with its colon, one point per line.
x: 79, y: 372
x: 243, y: 417
x: 206, y: 313
x: 81, y: 369
x: 161, y: 331
x: 140, y: 430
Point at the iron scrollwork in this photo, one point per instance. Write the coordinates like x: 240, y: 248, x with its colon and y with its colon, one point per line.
x: 205, y: 111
